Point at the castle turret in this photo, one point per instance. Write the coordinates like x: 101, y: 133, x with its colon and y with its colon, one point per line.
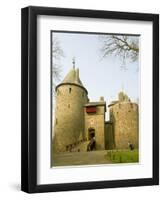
x: 124, y: 119
x: 71, y: 96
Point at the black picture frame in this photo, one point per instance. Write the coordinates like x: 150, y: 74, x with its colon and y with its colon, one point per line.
x: 29, y: 99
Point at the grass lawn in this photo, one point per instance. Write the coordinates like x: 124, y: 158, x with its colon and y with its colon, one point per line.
x: 123, y: 156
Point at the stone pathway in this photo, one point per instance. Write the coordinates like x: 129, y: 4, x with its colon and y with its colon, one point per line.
x: 80, y: 158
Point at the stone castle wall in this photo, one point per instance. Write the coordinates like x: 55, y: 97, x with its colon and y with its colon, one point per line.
x: 124, y: 117
x: 97, y: 122
x: 109, y: 136
x: 72, y: 123
x: 69, y: 116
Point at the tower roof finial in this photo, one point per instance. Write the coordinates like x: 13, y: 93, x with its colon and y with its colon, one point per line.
x: 73, y: 62
x: 122, y: 87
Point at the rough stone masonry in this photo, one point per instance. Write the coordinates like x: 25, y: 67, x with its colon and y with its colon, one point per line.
x: 76, y: 118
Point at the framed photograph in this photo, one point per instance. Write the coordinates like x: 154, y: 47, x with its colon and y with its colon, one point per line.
x: 90, y: 99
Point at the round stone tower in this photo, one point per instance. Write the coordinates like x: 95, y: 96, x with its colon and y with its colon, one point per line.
x: 124, y: 118
x: 71, y: 96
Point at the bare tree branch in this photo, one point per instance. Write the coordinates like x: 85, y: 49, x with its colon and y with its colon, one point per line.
x: 126, y: 47
x: 57, y: 53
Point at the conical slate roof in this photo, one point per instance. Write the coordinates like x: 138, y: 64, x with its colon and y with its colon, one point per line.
x: 73, y: 77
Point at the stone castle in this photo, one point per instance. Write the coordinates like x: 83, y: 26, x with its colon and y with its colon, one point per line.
x: 77, y: 119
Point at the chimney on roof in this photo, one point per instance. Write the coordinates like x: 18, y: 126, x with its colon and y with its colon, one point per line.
x: 101, y: 98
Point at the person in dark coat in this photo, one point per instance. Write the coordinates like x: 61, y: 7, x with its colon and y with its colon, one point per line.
x: 92, y: 144
x: 131, y: 146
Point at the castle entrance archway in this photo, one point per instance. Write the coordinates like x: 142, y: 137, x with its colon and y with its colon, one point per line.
x: 91, y: 133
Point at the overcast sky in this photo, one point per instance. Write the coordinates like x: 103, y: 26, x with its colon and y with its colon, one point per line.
x: 101, y: 77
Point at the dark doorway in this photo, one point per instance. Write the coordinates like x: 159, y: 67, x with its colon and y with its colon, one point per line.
x: 92, y: 142
x: 91, y: 133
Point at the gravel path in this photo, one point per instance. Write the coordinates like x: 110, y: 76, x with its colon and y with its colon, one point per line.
x: 80, y: 158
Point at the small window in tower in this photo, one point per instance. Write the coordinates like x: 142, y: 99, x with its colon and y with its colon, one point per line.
x: 68, y: 105
x: 69, y: 90
x: 83, y: 94
x: 56, y: 121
